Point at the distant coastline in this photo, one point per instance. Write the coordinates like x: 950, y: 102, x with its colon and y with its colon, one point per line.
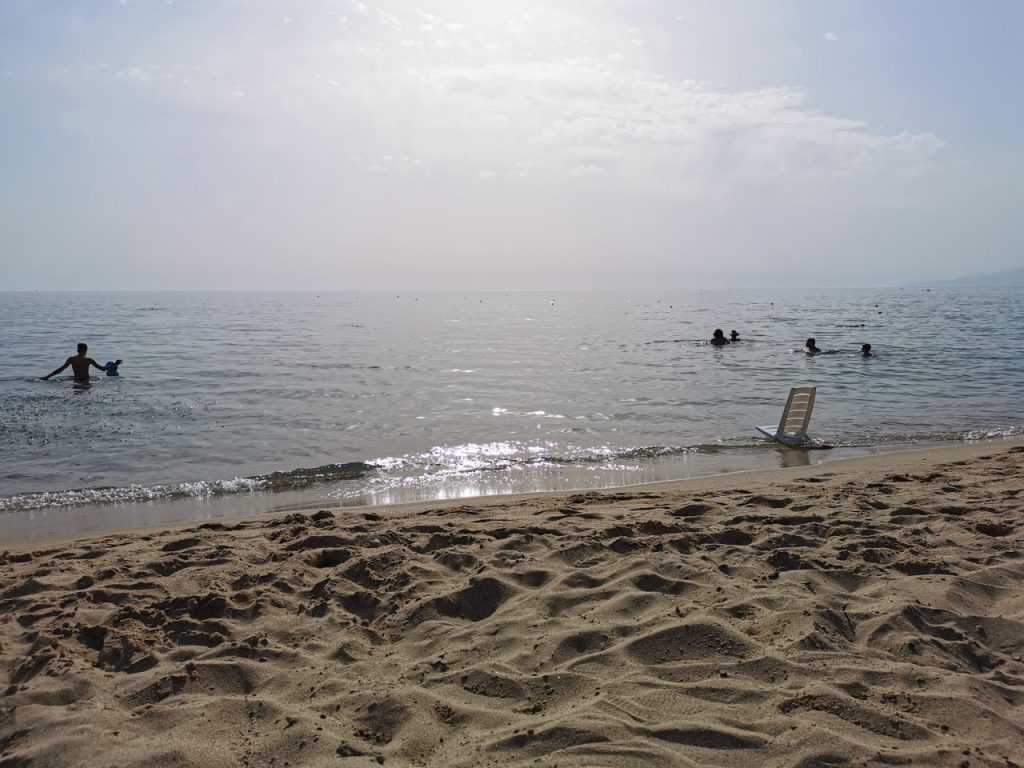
x: 1007, y: 278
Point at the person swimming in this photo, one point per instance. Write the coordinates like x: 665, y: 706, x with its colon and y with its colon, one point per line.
x: 734, y: 335
x: 865, y: 350
x: 810, y: 347
x: 718, y: 338
x: 80, y: 365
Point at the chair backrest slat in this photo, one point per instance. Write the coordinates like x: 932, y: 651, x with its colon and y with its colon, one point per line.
x: 797, y: 415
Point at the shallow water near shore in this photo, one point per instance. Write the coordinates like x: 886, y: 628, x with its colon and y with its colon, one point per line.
x: 267, y: 400
x: 72, y: 521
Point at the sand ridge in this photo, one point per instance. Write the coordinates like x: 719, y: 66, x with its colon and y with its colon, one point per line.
x: 823, y: 618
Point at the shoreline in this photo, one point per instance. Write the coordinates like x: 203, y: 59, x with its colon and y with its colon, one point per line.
x: 856, y: 612
x: 845, y: 464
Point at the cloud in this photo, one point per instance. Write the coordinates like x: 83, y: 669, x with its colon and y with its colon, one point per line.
x: 358, y: 117
x: 539, y: 92
x: 387, y: 163
x: 133, y: 75
x: 561, y: 109
x: 830, y: 37
x: 522, y: 170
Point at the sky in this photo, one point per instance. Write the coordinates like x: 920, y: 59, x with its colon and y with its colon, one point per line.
x: 463, y: 144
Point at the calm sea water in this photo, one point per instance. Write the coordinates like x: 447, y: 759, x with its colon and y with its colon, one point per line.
x: 381, y: 397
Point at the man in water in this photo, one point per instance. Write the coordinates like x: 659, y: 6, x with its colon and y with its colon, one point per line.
x: 865, y: 350
x: 718, y: 338
x: 811, y: 347
x: 79, y: 364
x: 734, y: 336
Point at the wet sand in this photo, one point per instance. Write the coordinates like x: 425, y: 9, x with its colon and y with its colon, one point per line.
x: 861, y: 612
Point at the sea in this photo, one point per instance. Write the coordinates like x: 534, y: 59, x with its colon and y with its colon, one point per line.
x: 235, y: 403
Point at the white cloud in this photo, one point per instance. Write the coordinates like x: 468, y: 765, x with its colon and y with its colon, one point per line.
x: 366, y: 116
x: 565, y: 108
x: 387, y: 163
x: 522, y: 170
x: 133, y: 75
x: 390, y: 20
x: 479, y: 91
x: 830, y: 37
x: 585, y: 170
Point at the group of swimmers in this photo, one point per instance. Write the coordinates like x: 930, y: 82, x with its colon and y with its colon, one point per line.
x: 810, y: 346
x: 80, y: 364
x: 718, y: 338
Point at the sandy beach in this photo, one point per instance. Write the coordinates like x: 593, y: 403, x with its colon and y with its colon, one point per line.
x: 863, y: 612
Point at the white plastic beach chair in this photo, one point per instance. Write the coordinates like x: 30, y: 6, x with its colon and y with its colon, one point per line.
x: 792, y: 428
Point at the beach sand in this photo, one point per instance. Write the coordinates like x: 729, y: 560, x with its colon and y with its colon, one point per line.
x: 863, y: 612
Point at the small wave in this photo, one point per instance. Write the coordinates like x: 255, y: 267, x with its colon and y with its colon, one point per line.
x: 131, y: 494
x: 465, y: 461
x: 200, y: 489
x: 470, y: 458
x: 917, y: 438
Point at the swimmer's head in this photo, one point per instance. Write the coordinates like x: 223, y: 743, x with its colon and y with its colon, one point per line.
x: 865, y: 349
x: 83, y: 348
x: 718, y: 334
x: 734, y: 335
x: 809, y: 342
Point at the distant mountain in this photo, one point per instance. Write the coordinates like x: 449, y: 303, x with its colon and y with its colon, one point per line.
x: 1007, y: 278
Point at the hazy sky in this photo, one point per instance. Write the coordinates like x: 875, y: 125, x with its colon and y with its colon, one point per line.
x: 526, y: 143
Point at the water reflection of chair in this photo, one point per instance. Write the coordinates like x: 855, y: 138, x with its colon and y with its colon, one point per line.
x: 795, y: 458
x: 792, y: 428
